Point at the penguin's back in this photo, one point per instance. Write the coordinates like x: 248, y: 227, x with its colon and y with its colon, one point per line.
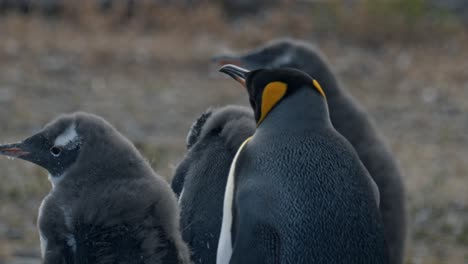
x: 308, y: 193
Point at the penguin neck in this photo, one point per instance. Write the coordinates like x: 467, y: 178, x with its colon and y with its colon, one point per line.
x: 330, y: 84
x: 304, y: 109
x: 319, y: 70
x: 55, y: 179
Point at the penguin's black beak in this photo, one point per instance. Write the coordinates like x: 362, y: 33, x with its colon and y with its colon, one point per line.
x: 16, y: 150
x: 237, y: 73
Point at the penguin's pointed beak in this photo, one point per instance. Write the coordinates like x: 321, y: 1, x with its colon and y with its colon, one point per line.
x: 237, y: 73
x: 15, y: 150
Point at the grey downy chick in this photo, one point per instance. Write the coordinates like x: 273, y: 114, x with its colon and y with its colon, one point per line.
x: 200, y: 178
x: 106, y: 204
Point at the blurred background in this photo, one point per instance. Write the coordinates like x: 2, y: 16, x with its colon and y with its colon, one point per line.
x: 145, y: 66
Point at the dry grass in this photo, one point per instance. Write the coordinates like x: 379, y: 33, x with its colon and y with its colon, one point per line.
x: 151, y: 77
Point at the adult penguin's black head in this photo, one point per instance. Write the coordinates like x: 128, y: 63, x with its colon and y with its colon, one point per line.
x: 267, y: 87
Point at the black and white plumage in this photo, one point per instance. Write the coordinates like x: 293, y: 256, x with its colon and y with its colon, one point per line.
x: 297, y: 192
x: 351, y: 120
x: 106, y: 204
x: 201, y: 176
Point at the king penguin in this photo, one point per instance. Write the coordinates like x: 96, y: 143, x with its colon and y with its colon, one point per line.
x: 351, y: 120
x: 212, y: 142
x: 106, y: 204
x: 296, y: 191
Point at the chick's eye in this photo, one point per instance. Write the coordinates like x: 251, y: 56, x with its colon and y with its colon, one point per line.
x: 55, y: 151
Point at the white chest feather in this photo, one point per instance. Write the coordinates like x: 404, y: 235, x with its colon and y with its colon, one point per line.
x: 225, y: 239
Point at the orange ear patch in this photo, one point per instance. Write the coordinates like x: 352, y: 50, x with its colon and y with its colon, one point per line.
x: 272, y: 94
x: 318, y: 87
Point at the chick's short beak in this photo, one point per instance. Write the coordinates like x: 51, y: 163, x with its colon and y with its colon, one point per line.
x: 13, y: 150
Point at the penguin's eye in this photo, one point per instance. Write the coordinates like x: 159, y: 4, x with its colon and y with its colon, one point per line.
x: 55, y: 151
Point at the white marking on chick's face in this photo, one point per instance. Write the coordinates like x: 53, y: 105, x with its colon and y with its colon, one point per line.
x: 67, y: 136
